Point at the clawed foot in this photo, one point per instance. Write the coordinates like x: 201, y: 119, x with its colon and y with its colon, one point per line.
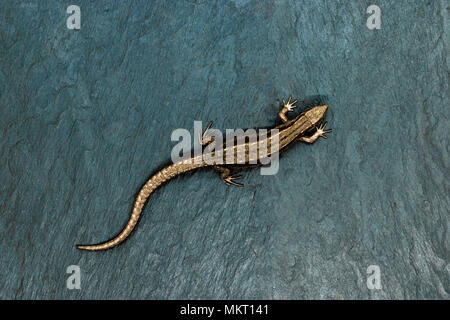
x: 229, y: 180
x: 321, y: 130
x: 287, y: 106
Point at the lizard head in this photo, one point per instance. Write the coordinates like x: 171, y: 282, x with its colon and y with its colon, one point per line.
x: 316, y: 114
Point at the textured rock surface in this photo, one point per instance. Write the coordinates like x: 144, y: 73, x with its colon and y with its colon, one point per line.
x: 86, y: 116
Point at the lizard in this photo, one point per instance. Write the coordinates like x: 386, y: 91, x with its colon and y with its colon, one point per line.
x: 289, y: 131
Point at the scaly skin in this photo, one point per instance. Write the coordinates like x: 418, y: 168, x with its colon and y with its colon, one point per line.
x: 288, y: 132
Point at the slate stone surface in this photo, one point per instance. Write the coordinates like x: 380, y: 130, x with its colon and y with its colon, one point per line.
x: 86, y: 116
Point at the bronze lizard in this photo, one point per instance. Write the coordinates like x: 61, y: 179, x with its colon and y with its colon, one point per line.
x: 288, y: 132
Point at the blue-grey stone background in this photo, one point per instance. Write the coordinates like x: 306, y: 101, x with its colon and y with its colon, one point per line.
x: 86, y: 116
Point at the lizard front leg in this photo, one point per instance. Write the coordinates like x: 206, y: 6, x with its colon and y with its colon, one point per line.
x: 287, y: 106
x: 320, y: 132
x: 227, y: 177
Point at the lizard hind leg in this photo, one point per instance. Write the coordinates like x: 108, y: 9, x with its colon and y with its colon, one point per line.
x: 204, y: 139
x: 227, y: 177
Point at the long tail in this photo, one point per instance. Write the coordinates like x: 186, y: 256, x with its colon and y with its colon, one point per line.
x: 153, y: 183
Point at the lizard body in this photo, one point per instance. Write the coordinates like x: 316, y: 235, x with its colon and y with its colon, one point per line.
x: 288, y: 132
